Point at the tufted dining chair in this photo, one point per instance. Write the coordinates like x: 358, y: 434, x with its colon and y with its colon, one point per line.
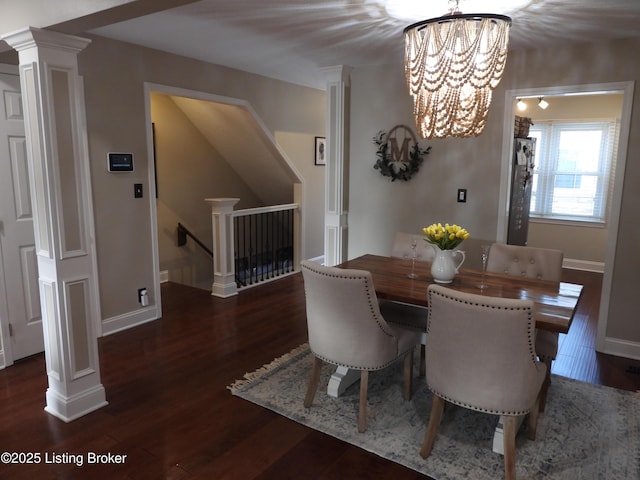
x: 346, y: 328
x: 531, y: 262
x: 505, y: 379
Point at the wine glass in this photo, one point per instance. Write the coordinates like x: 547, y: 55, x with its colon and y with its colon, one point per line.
x: 485, y: 257
x: 414, y: 244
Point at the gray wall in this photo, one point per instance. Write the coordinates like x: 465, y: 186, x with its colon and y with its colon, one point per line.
x: 379, y: 207
x: 114, y: 76
x: 299, y: 147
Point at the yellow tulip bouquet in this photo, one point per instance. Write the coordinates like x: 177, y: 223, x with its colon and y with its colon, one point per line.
x: 447, y: 237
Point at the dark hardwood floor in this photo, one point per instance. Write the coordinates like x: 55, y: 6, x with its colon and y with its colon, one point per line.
x: 170, y: 413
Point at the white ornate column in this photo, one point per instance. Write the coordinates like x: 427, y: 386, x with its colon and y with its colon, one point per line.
x: 337, y: 168
x: 58, y: 161
x: 337, y: 191
x: 224, y: 277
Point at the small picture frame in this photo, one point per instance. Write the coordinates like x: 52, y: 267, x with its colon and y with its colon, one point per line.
x: 320, y: 151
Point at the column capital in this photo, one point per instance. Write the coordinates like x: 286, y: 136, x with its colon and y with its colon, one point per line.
x: 31, y: 37
x: 337, y: 73
x: 222, y: 205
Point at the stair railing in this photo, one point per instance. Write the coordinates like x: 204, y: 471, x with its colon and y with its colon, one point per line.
x: 183, y: 233
x: 252, y: 246
x: 264, y: 243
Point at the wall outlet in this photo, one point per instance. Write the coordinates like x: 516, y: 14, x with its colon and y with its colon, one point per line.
x: 462, y: 195
x: 143, y: 297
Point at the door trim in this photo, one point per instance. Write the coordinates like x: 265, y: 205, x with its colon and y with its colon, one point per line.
x: 603, y: 344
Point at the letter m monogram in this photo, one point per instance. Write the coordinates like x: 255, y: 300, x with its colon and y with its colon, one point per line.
x: 399, y: 154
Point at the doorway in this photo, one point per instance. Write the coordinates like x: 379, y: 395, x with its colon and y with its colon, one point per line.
x: 574, y: 138
x: 20, y: 312
x: 511, y: 98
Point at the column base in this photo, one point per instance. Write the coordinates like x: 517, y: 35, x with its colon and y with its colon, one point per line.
x: 68, y: 409
x: 223, y: 290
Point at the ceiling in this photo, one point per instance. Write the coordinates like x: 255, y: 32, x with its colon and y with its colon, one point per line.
x: 292, y: 39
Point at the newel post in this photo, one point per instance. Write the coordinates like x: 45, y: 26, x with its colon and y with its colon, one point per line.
x: 224, y: 277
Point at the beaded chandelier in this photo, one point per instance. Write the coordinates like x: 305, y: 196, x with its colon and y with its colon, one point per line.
x: 452, y: 64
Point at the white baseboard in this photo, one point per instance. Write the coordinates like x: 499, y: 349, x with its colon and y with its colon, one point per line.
x: 620, y: 348
x: 128, y: 320
x: 585, y: 265
x: 164, y: 276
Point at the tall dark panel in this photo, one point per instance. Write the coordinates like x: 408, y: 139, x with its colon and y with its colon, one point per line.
x: 520, y: 199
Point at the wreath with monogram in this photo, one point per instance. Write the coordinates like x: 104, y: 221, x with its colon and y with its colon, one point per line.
x: 398, y: 152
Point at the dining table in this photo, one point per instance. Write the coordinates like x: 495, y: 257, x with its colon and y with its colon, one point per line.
x: 555, y: 303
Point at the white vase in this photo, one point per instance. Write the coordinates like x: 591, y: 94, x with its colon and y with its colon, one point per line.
x: 444, y: 268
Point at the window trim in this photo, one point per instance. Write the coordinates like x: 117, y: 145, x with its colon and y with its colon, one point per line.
x: 567, y: 222
x: 605, y: 173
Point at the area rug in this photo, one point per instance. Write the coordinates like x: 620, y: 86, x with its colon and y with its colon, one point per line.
x: 586, y: 432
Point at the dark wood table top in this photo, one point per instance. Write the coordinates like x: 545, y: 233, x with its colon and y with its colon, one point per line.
x: 555, y: 302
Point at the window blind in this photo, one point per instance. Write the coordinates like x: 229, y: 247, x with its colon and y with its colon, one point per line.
x: 575, y: 164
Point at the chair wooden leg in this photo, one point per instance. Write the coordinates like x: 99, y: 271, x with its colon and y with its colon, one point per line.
x: 408, y: 375
x: 362, y: 411
x: 437, y: 407
x: 545, y: 385
x: 313, y: 382
x: 510, y: 429
x: 533, y: 419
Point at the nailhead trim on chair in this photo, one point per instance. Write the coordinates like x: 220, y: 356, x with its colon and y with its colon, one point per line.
x: 471, y: 407
x: 366, y: 278
x: 530, y: 323
x: 531, y: 350
x: 357, y: 367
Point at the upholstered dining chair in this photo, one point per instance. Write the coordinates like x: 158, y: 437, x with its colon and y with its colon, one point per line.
x: 410, y: 316
x: 480, y: 356
x: 346, y: 328
x: 531, y: 262
x: 401, y: 247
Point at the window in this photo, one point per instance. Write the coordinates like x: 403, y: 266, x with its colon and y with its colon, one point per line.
x: 574, y: 163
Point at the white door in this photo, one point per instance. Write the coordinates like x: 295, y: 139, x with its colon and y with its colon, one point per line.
x: 18, y: 265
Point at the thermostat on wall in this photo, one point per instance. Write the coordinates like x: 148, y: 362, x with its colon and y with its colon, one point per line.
x: 120, y: 162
